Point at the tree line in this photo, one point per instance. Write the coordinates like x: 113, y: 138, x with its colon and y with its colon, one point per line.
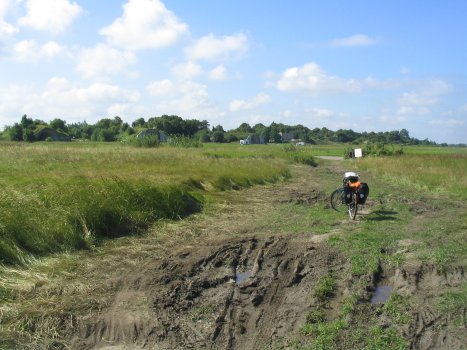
x: 115, y: 129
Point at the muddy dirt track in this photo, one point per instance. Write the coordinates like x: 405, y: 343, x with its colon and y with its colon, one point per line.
x: 219, y: 282
x: 245, y: 294
x: 251, y: 294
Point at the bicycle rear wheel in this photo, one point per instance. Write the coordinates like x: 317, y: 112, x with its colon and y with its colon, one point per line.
x: 337, y: 200
x: 353, y: 207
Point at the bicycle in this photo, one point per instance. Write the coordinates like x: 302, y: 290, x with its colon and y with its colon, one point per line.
x: 338, y: 202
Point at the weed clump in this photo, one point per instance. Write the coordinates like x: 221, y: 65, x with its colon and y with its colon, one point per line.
x: 325, y: 287
x: 298, y: 155
x: 184, y: 142
x: 148, y: 141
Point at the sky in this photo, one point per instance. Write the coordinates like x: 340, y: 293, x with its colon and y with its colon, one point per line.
x: 362, y: 65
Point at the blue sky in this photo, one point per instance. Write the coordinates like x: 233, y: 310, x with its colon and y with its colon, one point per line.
x: 361, y: 65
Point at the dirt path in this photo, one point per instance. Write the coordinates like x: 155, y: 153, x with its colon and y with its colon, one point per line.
x: 231, y: 283
x: 237, y: 277
x: 239, y: 294
x: 330, y: 157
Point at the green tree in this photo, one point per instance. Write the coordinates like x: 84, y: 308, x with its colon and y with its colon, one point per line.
x: 140, y: 122
x: 218, y: 136
x: 218, y: 128
x: 245, y: 127
x: 28, y: 135
x: 404, y: 136
x: 101, y: 134
x: 203, y: 135
x: 26, y: 122
x: 59, y: 125
x: 15, y: 132
x: 231, y: 138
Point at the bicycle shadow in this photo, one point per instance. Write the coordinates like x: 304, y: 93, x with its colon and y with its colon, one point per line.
x: 383, y: 215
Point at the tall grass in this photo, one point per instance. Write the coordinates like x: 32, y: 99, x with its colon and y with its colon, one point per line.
x: 445, y: 174
x: 59, y: 197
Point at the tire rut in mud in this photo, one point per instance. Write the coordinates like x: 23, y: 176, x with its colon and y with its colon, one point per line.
x: 241, y: 294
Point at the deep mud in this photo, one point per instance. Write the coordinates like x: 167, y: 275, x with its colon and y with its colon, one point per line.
x: 429, y: 329
x: 256, y: 294
x: 248, y: 294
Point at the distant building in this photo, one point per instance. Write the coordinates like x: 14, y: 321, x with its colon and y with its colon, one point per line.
x: 46, y: 133
x: 286, y: 136
x: 253, y: 139
x: 149, y: 132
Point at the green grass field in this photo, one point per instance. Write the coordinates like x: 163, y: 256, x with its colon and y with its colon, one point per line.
x: 59, y: 197
x: 444, y: 174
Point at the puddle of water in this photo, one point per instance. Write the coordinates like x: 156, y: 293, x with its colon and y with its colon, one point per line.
x: 381, y: 295
x: 240, y: 277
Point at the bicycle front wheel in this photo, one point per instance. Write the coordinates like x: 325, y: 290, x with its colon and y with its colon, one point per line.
x: 353, y: 207
x: 337, y: 200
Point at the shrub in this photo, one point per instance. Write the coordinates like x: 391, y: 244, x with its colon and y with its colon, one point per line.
x: 147, y: 141
x: 184, y: 142
x: 380, y: 149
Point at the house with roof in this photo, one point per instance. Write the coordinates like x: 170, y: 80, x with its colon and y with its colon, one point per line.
x: 46, y: 133
x: 162, y: 136
x: 253, y: 139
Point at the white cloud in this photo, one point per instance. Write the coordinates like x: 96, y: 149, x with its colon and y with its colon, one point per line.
x: 419, y: 102
x: 144, y: 24
x: 103, y: 60
x: 50, y: 15
x: 27, y: 51
x: 259, y: 100
x: 354, y: 40
x: 218, y: 73
x: 161, y: 88
x: 321, y: 112
x: 182, y: 98
x: 312, y: 79
x: 212, y: 48
x: 187, y: 71
x: 6, y: 29
x: 60, y: 98
x: 4, y: 4
x: 448, y: 123
x: 417, y: 99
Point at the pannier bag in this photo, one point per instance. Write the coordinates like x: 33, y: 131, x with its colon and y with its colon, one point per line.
x: 362, y: 193
x: 347, y: 195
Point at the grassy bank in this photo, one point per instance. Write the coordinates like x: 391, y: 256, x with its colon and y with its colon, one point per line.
x: 444, y: 174
x: 61, y: 197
